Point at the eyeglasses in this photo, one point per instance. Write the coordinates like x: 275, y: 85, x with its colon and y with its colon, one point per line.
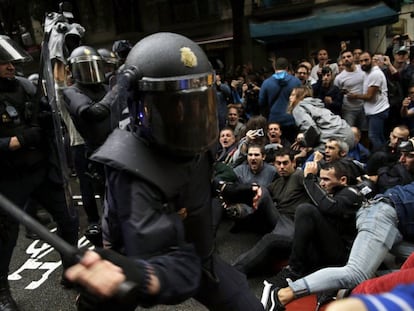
x: 301, y: 73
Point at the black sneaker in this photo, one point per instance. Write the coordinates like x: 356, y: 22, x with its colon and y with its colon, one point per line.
x: 94, y: 234
x: 7, y: 302
x: 280, y: 280
x: 31, y: 235
x: 324, y: 297
x: 276, y: 305
x: 234, y: 211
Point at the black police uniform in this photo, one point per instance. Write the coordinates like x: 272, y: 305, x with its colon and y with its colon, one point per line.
x: 146, y: 191
x: 25, y: 172
x: 159, y: 178
x: 90, y: 113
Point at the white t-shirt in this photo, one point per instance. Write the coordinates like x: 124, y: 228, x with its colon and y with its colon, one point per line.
x: 380, y: 102
x: 352, y: 82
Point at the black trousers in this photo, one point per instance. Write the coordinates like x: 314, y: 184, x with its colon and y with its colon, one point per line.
x: 35, y: 184
x: 86, y: 185
x: 232, y: 293
x: 275, y: 244
x: 316, y: 241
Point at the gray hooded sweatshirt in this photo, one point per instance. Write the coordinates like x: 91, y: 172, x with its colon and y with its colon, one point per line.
x: 312, y: 112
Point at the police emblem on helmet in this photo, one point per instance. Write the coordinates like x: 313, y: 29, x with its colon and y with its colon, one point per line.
x: 188, y: 57
x: 174, y: 103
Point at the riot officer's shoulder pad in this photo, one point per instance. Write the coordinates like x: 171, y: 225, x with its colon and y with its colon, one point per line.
x: 27, y: 85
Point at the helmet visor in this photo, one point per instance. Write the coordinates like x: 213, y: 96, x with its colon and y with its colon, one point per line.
x: 184, y: 122
x: 10, y: 51
x: 88, y: 70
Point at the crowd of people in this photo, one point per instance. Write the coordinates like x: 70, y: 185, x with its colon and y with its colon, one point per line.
x: 346, y: 127
x: 299, y: 154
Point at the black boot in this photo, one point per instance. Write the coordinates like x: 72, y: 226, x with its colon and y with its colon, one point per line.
x: 7, y: 302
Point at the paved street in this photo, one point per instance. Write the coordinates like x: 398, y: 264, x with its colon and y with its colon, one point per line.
x: 36, y: 270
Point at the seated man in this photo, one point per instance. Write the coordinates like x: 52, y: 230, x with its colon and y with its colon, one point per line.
x: 381, y: 223
x: 286, y: 193
x: 257, y: 171
x: 337, y: 149
x: 400, y: 173
x: 389, y: 154
x: 233, y: 121
x: 275, y: 141
x: 359, y: 152
x: 325, y: 229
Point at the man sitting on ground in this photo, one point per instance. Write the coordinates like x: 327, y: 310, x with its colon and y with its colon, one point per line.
x: 286, y: 193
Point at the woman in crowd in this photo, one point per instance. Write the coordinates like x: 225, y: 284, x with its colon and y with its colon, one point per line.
x: 311, y: 112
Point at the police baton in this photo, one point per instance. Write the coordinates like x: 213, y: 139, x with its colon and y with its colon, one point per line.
x: 127, y: 291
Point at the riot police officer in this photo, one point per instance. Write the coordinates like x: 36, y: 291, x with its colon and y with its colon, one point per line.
x: 89, y: 109
x: 158, y: 210
x: 111, y: 64
x: 121, y: 48
x: 25, y: 170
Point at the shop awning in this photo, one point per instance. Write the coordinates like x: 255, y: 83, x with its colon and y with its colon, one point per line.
x: 228, y: 36
x: 328, y: 18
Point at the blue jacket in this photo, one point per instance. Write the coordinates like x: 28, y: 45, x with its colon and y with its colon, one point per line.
x: 274, y: 93
x: 403, y: 199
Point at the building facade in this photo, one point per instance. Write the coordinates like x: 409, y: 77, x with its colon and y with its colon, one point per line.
x: 232, y: 32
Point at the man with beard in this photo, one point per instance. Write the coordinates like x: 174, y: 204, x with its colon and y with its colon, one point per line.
x: 375, y: 97
x: 330, y: 94
x: 284, y: 195
x: 351, y: 80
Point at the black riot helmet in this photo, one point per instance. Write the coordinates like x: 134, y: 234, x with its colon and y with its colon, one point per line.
x: 10, y: 51
x: 110, y: 59
x: 175, y: 103
x: 121, y: 48
x: 87, y: 66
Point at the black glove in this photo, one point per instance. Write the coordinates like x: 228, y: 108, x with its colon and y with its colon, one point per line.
x: 30, y: 137
x: 238, y: 193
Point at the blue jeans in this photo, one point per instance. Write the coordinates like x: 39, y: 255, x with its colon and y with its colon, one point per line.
x: 377, y: 232
x: 376, y: 128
